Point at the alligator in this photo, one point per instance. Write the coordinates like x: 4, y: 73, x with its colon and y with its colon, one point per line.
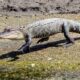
x: 42, y: 29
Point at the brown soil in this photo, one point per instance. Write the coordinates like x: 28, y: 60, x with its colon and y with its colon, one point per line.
x: 40, y: 6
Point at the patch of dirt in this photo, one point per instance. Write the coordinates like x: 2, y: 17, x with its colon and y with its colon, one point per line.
x: 40, y: 6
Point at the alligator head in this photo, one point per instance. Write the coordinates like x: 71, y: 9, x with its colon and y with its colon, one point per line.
x: 11, y: 34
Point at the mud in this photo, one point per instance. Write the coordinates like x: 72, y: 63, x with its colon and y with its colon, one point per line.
x: 40, y: 6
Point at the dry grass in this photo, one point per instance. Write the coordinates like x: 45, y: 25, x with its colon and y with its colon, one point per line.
x: 50, y: 58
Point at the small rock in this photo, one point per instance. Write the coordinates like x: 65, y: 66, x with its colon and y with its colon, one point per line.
x: 49, y: 58
x: 33, y: 65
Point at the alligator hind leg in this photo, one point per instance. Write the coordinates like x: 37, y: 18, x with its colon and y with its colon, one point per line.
x: 43, y: 39
x: 70, y: 40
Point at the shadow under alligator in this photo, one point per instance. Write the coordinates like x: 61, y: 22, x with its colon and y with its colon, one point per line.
x: 14, y: 54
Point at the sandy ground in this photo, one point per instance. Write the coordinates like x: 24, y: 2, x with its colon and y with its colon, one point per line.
x: 62, y: 58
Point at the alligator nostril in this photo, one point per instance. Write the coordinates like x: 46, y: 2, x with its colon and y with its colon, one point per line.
x: 0, y: 36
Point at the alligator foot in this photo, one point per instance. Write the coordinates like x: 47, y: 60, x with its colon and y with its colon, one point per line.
x: 24, y: 48
x: 67, y: 44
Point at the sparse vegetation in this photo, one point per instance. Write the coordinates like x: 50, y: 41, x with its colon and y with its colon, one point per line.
x: 44, y: 63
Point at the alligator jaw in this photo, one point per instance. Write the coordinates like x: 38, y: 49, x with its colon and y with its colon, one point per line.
x: 11, y: 35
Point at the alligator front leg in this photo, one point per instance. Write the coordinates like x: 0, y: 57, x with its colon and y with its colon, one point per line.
x: 43, y: 39
x: 26, y: 47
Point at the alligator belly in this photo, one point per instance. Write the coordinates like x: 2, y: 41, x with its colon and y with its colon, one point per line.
x: 42, y: 35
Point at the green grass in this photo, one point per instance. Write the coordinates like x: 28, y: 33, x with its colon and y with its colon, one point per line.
x: 35, y: 70
x: 41, y: 64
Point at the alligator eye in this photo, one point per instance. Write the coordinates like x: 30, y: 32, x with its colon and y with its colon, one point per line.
x: 7, y: 30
